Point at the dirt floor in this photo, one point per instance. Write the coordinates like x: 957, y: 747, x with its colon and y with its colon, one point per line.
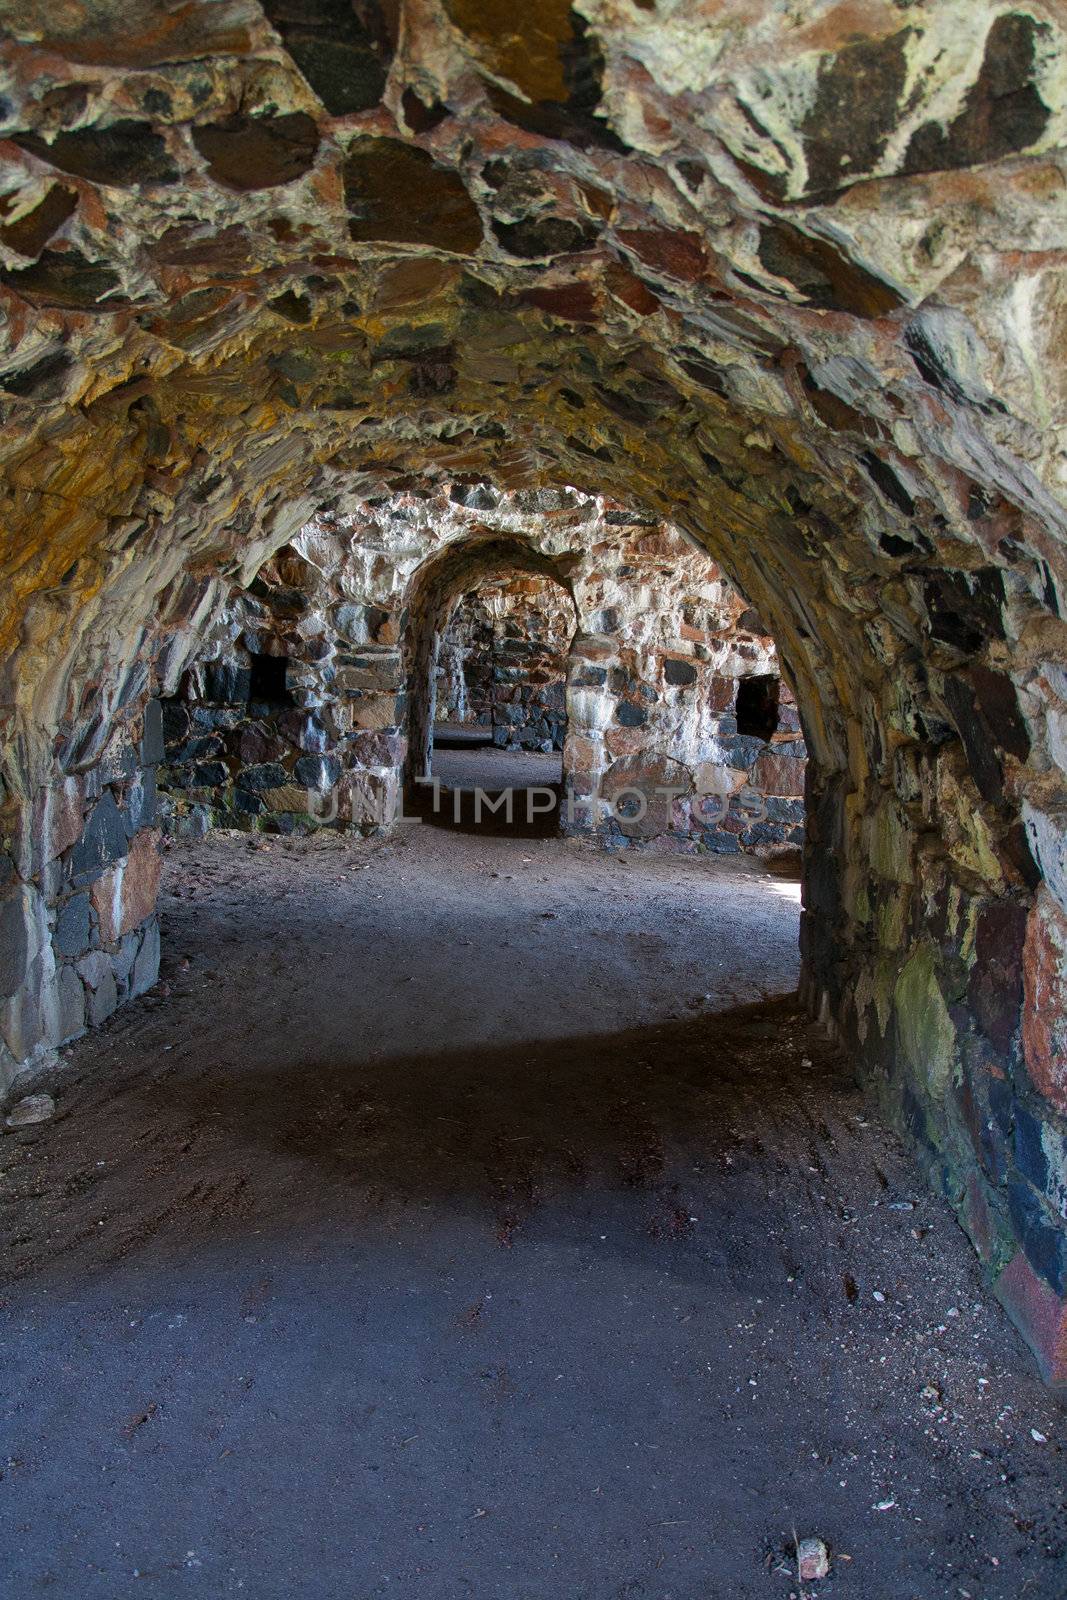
x: 491, y: 769
x: 477, y: 1217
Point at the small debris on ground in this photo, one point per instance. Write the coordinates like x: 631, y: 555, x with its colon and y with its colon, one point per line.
x: 813, y: 1560
x: 30, y: 1109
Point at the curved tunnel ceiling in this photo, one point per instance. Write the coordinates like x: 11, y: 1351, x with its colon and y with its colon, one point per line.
x: 796, y: 288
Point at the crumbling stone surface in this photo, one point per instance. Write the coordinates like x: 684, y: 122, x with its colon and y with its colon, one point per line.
x: 790, y: 279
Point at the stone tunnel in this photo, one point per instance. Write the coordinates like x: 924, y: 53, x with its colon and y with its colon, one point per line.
x: 740, y: 325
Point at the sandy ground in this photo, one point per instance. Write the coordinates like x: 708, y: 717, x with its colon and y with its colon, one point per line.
x: 477, y: 1217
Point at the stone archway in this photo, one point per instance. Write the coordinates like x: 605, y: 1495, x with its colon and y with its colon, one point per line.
x: 431, y: 598
x: 815, y: 324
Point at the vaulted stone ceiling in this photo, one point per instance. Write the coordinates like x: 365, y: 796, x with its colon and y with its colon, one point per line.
x: 789, y: 276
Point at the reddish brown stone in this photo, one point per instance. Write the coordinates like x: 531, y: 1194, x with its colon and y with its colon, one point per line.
x: 29, y: 234
x: 189, y: 245
x: 258, y: 152
x: 624, y: 742
x: 976, y: 1218
x: 523, y: 44
x: 396, y: 192
x: 996, y: 983
x: 1045, y: 1000
x: 647, y: 774
x: 631, y: 290
x: 126, y: 894
x: 123, y: 153
x: 775, y: 774
x: 667, y: 250
x: 826, y: 277
x: 1038, y: 1313
x: 571, y: 302
x: 151, y: 32
x: 378, y: 749
x: 413, y: 282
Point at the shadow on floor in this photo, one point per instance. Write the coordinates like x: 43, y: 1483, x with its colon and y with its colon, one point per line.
x: 183, y: 1149
x: 484, y: 812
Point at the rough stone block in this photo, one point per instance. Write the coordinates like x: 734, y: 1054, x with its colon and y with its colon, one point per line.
x: 139, y: 808
x: 119, y: 761
x: 152, y: 736
x: 103, y: 842
x: 1046, y: 833
x: 318, y: 772
x: 1045, y: 1000
x: 126, y: 895
x: 123, y: 958
x: 103, y: 1000
x: 778, y: 774
x: 71, y: 937
x: 94, y: 967
x: 367, y: 799
x: 290, y: 797
x: 378, y: 749
x: 71, y: 1005
x: 1039, y: 1314
x: 996, y: 983
x: 678, y: 672
x: 226, y: 683
x: 258, y: 779
x: 146, y: 966
x: 14, y: 940
x: 375, y: 711
x: 1042, y: 1236
x: 58, y: 818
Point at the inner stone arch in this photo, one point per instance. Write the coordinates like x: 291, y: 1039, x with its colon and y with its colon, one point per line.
x: 502, y: 664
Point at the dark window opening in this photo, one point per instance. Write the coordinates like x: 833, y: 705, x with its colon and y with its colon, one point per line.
x: 267, y: 681
x: 757, y: 705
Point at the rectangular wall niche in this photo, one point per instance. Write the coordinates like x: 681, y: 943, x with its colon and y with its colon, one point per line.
x: 756, y: 708
x: 267, y: 682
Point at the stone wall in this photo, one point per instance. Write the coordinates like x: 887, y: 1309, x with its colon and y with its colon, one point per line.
x: 295, y: 712
x: 78, y: 894
x: 502, y: 662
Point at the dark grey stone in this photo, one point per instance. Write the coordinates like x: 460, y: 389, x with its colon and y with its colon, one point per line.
x: 630, y: 715
x: 204, y: 747
x: 1030, y: 1157
x: 102, y: 843
x: 14, y: 947
x: 226, y: 683
x: 209, y: 775
x: 125, y: 956
x: 318, y: 772
x: 102, y: 1000
x: 1042, y: 1236
x: 679, y: 672
x: 146, y: 966
x: 742, y: 750
x: 71, y: 937
x: 269, y: 775
x: 152, y: 737
x: 71, y: 1004
x: 140, y: 807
